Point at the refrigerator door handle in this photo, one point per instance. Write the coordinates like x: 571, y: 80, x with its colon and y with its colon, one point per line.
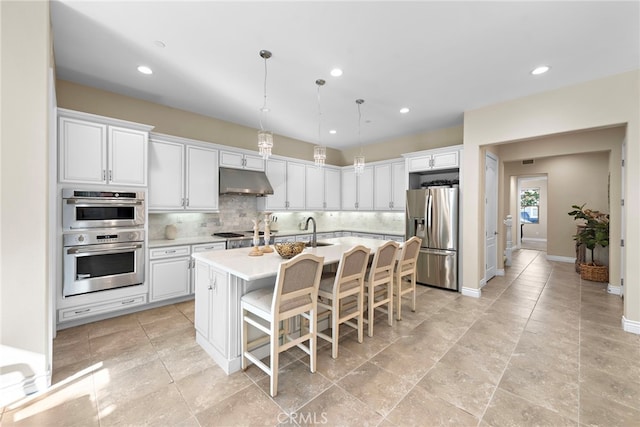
x: 428, y: 227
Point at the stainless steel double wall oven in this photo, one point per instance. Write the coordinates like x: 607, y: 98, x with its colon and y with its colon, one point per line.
x: 103, y: 240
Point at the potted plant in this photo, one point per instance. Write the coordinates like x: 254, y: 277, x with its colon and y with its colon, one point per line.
x: 593, y: 231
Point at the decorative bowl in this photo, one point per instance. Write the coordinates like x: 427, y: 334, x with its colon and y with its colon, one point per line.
x: 289, y: 249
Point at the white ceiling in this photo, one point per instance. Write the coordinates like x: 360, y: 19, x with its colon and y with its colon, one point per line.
x: 437, y: 58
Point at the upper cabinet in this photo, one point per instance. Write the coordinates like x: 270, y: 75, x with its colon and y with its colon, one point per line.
x: 238, y: 160
x: 288, y: 182
x: 182, y: 175
x: 322, y: 189
x: 389, y: 186
x: 445, y: 158
x: 98, y: 150
x: 357, y: 189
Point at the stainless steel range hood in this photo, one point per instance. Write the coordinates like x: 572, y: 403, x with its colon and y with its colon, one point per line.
x: 243, y: 181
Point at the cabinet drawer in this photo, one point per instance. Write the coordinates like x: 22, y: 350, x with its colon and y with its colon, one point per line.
x: 217, y: 246
x: 104, y: 307
x: 169, y: 251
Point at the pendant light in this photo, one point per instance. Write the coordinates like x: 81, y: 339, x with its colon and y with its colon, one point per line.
x: 319, y: 151
x: 358, y: 161
x: 265, y: 138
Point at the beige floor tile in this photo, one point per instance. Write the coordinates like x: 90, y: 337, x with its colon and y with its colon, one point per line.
x: 111, y: 326
x: 336, y: 407
x: 111, y: 344
x: 495, y: 346
x: 409, y: 366
x: 617, y: 388
x: 71, y: 336
x: 235, y: 410
x: 485, y: 367
x: 603, y: 344
x: 70, y: 354
x: 334, y: 369
x: 296, y: 386
x: 611, y: 364
x: 378, y: 388
x: 563, y: 353
x: 507, y: 409
x: 616, y: 333
x: 73, y: 369
x: 597, y: 410
x: 420, y: 408
x: 127, y: 359
x: 541, y: 383
x: 369, y: 347
x: 174, y: 341
x: 187, y: 361
x: 206, y: 388
x: 164, y: 407
x: 469, y: 390
x: 155, y: 314
x: 166, y: 325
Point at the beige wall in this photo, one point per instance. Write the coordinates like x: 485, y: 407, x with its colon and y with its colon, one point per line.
x: 597, y: 104
x: 24, y: 301
x: 573, y: 179
x: 176, y: 122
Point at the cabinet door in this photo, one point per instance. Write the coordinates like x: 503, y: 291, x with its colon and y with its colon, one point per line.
x: 365, y: 189
x: 202, y: 178
x: 382, y: 187
x: 166, y: 175
x: 231, y: 159
x: 253, y: 162
x: 218, y: 309
x: 169, y: 278
x: 295, y: 185
x: 82, y: 151
x: 276, y: 171
x: 314, y: 187
x: 202, y: 282
x: 127, y: 156
x: 332, y: 189
x: 417, y: 164
x: 398, y: 186
x: 349, y: 189
x: 445, y: 160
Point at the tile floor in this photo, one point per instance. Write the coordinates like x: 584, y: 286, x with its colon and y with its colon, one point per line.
x: 539, y: 348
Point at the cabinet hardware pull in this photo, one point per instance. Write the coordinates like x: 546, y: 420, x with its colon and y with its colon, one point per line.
x: 187, y: 202
x: 128, y: 301
x: 82, y: 311
x: 104, y: 175
x: 110, y: 175
x: 173, y: 251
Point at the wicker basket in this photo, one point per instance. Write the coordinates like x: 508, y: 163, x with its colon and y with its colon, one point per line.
x: 595, y: 273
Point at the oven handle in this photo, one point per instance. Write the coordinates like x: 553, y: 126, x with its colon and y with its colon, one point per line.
x: 119, y: 249
x: 119, y: 202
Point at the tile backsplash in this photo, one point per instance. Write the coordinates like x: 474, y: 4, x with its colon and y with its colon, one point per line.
x: 237, y: 212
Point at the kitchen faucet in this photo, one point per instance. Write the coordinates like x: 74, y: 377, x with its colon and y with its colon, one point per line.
x: 314, y: 241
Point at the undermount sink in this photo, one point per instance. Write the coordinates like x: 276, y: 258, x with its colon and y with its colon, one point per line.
x: 319, y: 244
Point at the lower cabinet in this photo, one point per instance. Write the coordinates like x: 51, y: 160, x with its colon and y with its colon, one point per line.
x: 169, y: 272
x: 211, y: 306
x: 103, y: 307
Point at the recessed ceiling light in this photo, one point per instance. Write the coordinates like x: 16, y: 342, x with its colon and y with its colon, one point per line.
x: 540, y: 70
x: 336, y: 72
x: 144, y: 69
x: 404, y: 110
x: 333, y: 131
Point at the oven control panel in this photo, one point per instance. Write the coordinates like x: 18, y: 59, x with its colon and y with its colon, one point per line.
x: 102, y: 237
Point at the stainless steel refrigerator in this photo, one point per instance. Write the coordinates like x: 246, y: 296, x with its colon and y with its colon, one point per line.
x: 432, y: 215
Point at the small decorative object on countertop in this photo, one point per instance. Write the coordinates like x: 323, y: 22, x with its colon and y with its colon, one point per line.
x: 267, y: 234
x: 255, y: 251
x: 170, y: 232
x: 289, y: 249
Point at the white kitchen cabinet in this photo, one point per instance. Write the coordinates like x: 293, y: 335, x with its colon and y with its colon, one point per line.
x: 238, y: 160
x: 211, y: 305
x: 435, y: 160
x: 182, y: 176
x: 357, y: 190
x: 100, y: 308
x: 288, y: 182
x: 322, y: 190
x: 95, y: 152
x: 205, y: 247
x: 389, y: 186
x: 169, y: 272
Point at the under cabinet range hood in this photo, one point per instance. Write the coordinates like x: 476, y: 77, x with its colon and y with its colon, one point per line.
x: 243, y: 181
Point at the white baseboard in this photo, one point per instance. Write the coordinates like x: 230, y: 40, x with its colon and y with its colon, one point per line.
x: 632, y: 326
x: 483, y: 282
x: 533, y: 239
x: 557, y: 258
x: 500, y: 272
x: 614, y: 290
x: 11, y: 393
x: 470, y: 292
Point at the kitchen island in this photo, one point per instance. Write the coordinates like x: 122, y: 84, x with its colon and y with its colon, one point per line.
x: 222, y: 277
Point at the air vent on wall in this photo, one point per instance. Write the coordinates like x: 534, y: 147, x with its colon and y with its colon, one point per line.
x: 527, y: 162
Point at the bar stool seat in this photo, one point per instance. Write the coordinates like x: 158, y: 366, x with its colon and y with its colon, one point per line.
x: 378, y: 289
x: 405, y: 274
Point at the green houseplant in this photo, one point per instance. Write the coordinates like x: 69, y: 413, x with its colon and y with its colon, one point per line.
x: 593, y: 231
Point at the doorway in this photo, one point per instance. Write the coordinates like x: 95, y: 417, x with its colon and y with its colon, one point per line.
x: 532, y: 212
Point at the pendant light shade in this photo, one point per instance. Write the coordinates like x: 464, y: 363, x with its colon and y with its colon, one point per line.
x: 319, y: 151
x: 265, y: 138
x: 358, y: 161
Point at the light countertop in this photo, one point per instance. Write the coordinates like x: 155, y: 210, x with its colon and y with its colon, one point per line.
x: 238, y: 262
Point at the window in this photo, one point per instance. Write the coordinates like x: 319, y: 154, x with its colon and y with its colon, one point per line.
x: 529, y: 205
